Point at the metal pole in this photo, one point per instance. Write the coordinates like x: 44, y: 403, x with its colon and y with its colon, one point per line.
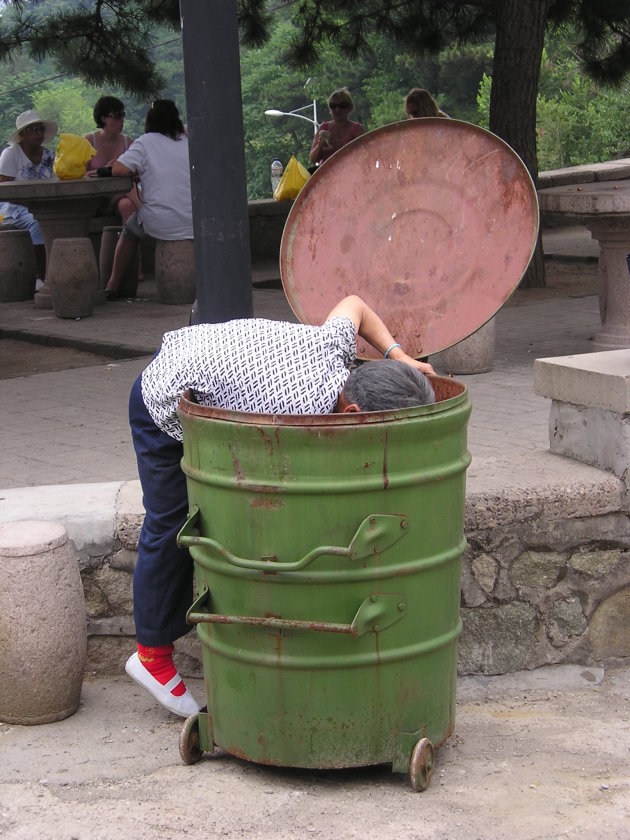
x: 212, y: 77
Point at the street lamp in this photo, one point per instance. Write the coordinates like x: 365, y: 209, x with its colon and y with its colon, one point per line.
x: 274, y: 112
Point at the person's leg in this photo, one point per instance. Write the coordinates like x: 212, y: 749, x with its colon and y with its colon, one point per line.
x: 40, y: 261
x: 124, y: 255
x: 21, y: 219
x: 126, y: 208
x: 163, y: 576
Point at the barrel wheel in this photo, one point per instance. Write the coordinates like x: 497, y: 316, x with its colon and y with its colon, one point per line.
x: 421, y: 764
x: 189, y: 748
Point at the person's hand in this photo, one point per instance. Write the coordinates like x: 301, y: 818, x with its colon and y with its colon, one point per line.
x: 324, y: 138
x: 400, y: 356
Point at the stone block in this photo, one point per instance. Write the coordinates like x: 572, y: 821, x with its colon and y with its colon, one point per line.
x: 598, y: 380
x: 610, y: 627
x: 595, y: 564
x: 566, y: 619
x: 537, y: 569
x: 589, y: 419
x: 484, y: 569
x: 497, y: 640
x: 590, y: 435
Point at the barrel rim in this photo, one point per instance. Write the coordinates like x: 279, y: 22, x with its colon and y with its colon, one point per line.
x: 449, y: 393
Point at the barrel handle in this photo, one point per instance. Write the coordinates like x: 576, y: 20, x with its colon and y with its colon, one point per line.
x: 377, y: 612
x: 374, y: 535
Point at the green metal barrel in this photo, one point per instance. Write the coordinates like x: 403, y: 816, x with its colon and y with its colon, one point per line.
x: 327, y: 558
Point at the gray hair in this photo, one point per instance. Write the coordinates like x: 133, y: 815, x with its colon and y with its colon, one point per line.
x: 387, y: 384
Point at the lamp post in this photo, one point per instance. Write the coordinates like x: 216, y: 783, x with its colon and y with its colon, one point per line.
x: 274, y: 112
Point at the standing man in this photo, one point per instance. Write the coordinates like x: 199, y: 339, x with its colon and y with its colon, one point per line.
x: 27, y: 159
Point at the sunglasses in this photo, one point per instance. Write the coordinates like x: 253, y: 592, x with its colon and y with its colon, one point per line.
x: 116, y: 115
x: 341, y: 105
x: 32, y: 129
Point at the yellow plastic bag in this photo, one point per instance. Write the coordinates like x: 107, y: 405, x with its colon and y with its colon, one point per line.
x: 73, y: 152
x: 293, y: 179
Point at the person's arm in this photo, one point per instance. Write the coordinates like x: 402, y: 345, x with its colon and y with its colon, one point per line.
x: 8, y: 165
x: 119, y: 168
x: 371, y: 328
x: 316, y: 149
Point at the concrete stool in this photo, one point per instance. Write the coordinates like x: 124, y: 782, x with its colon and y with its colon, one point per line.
x: 18, y: 268
x: 73, y: 277
x: 43, y: 623
x: 129, y: 284
x: 474, y: 354
x: 175, y: 270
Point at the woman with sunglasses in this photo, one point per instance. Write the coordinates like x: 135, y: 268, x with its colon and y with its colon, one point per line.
x: 110, y: 142
x: 335, y: 133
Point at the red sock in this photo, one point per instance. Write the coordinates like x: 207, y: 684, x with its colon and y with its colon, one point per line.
x: 159, y: 663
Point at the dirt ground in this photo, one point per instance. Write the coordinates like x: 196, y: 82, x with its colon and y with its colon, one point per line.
x: 542, y: 755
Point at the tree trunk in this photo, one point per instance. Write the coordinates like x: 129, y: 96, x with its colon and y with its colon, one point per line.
x: 520, y: 36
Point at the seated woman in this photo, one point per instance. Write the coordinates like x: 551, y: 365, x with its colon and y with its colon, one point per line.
x: 159, y: 158
x: 26, y: 159
x: 110, y: 143
x: 420, y: 103
x: 335, y: 133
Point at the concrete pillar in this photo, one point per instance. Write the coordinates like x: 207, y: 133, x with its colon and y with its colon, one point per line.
x: 43, y: 626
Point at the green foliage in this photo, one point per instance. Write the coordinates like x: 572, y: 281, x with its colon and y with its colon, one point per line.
x: 69, y: 103
x: 577, y: 119
x: 106, y: 42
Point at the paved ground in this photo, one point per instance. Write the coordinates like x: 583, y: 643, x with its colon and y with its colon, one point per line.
x: 535, y: 755
x: 70, y: 426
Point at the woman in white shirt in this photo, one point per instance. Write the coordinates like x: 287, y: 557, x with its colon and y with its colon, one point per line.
x: 159, y: 159
x: 26, y: 159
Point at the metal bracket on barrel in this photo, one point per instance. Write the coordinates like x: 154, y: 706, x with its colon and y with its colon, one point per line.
x: 374, y: 535
x: 376, y: 613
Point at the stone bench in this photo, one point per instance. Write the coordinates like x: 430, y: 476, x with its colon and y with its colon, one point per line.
x: 590, y: 409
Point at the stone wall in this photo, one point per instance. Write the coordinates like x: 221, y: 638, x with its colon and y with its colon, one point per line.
x: 545, y: 580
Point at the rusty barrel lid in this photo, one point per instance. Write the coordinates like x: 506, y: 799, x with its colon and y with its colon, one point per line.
x: 431, y: 221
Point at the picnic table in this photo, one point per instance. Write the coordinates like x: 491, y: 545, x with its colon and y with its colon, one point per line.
x: 604, y: 207
x: 63, y: 209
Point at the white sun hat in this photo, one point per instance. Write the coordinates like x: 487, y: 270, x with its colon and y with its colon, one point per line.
x: 32, y: 118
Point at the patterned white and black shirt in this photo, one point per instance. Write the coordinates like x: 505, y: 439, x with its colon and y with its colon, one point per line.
x: 268, y: 367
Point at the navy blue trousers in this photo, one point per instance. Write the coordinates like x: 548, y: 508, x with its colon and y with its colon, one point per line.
x: 163, y: 577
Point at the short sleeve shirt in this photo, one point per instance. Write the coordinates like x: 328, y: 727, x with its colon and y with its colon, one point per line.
x: 256, y: 365
x: 162, y: 164
x: 15, y: 164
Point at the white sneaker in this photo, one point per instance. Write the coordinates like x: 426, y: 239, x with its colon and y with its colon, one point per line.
x: 183, y: 706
